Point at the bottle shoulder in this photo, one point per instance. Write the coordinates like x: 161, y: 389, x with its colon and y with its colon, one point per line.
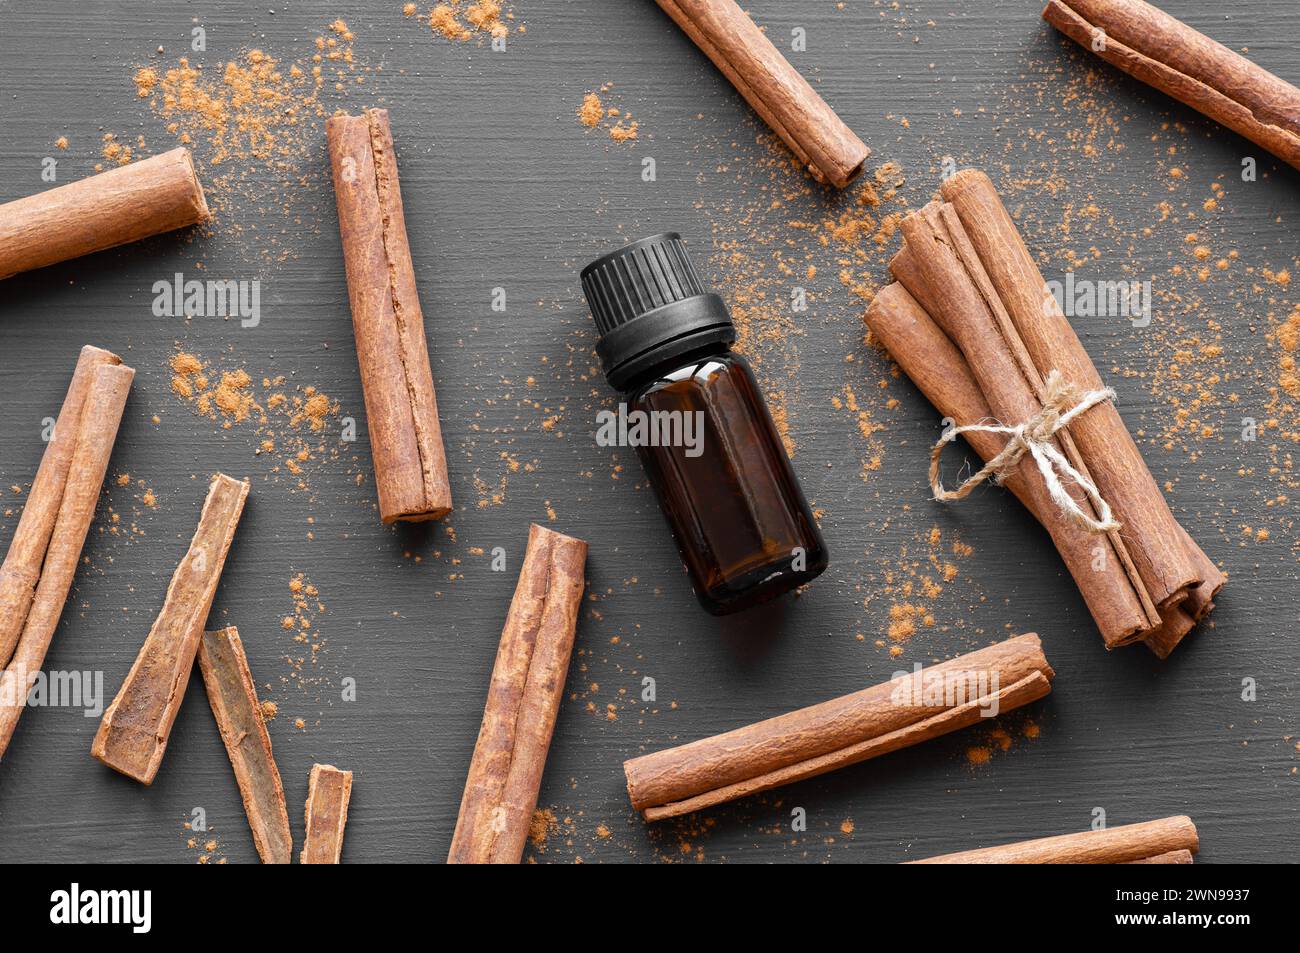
x: 700, y: 372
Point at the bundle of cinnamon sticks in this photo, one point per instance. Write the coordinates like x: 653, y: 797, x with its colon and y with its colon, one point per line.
x: 971, y: 322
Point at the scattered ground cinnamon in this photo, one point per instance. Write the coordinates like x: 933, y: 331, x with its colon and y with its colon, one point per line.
x: 253, y: 109
x: 778, y: 235
x: 591, y: 111
x: 294, y: 425
x: 544, y: 823
x: 914, y: 582
x: 254, y: 122
x: 1203, y: 379
x: 462, y: 20
x: 594, y: 112
x: 1002, y: 736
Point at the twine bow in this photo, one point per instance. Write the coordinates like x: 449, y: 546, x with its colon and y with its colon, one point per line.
x: 1034, y: 437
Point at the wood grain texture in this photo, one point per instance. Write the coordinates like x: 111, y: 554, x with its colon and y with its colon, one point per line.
x: 514, y: 192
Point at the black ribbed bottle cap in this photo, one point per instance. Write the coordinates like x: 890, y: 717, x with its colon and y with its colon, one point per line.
x: 650, y: 307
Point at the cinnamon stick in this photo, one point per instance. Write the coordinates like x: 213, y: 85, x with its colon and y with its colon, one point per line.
x: 233, y: 697
x: 132, y: 736
x: 802, y: 744
x: 772, y: 87
x: 96, y: 430
x: 401, y: 407
x: 938, y: 369
x: 22, y: 566
x: 523, y: 700
x: 1155, y: 541
x: 123, y: 205
x: 329, y: 791
x: 1163, y: 52
x: 1112, y: 845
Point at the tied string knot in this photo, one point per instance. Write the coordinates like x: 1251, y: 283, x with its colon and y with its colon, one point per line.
x: 1036, y: 436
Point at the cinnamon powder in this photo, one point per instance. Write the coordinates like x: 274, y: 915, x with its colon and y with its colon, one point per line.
x: 290, y: 424
x: 618, y: 125
x: 462, y: 20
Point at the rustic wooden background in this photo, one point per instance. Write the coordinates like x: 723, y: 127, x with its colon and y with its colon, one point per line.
x: 505, y: 189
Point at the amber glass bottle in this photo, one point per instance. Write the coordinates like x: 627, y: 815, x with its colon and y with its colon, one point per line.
x: 698, y: 420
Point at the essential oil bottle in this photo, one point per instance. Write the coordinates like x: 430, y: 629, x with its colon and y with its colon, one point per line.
x: 699, y: 422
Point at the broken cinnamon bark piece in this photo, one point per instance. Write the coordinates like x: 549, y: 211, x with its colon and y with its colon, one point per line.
x: 132, y: 736
x: 328, y: 792
x: 233, y: 697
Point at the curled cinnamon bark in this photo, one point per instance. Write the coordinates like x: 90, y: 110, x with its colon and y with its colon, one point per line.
x: 1200, y: 599
x: 401, y: 408
x: 156, y: 195
x: 1130, y: 843
x: 939, y: 370
x: 802, y: 744
x: 132, y: 736
x: 523, y: 701
x: 22, y: 566
x: 772, y: 87
x: 1155, y: 48
x: 96, y: 431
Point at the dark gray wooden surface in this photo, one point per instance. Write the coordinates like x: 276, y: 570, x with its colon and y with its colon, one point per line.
x: 504, y: 188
